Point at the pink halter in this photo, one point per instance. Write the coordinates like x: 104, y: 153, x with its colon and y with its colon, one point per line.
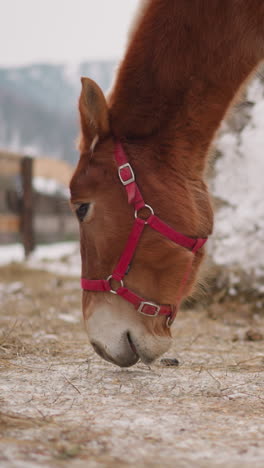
x: 149, y: 308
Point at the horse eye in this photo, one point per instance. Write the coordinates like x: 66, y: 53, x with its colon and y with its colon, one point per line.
x: 82, y: 211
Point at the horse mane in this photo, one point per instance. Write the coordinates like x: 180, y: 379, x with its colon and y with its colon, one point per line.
x: 182, y: 69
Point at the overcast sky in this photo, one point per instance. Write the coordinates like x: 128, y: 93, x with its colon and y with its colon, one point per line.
x: 63, y: 30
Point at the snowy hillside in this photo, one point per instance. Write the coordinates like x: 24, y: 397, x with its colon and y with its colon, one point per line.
x: 38, y: 106
x: 239, y: 185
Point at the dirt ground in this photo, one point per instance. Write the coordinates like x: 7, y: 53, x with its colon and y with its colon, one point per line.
x: 61, y: 405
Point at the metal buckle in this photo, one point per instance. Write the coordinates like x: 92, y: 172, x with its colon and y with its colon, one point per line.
x: 155, y: 306
x: 109, y: 281
x: 132, y: 178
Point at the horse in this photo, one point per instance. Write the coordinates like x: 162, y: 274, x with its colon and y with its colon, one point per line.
x: 139, y: 189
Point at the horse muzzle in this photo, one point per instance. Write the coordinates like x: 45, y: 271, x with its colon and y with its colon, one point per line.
x: 118, y: 335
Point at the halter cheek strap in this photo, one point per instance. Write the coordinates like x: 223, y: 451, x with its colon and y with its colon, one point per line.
x: 149, y: 308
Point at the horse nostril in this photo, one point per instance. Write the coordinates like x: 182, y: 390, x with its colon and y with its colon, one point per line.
x: 125, y: 358
x: 131, y: 344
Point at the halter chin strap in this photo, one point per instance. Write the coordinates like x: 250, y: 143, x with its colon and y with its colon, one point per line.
x: 149, y: 308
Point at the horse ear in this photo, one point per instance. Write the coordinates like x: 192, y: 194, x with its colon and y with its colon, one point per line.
x: 93, y: 112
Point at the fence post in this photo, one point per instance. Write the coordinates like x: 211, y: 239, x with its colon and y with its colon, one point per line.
x: 27, y: 231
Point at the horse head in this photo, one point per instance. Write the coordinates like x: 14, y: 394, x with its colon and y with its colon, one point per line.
x: 120, y: 332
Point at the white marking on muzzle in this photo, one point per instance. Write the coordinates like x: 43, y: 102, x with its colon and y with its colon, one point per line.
x: 111, y: 320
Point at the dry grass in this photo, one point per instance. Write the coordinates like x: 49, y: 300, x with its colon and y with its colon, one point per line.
x: 61, y: 404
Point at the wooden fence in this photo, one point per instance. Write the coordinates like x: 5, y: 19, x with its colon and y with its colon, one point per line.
x: 30, y: 216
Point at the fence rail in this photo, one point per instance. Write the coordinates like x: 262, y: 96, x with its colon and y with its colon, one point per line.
x: 9, y: 223
x: 27, y: 215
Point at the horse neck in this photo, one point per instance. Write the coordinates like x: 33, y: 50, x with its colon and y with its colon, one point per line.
x: 182, y: 69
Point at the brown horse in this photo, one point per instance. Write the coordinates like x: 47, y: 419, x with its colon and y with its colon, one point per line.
x: 184, y: 65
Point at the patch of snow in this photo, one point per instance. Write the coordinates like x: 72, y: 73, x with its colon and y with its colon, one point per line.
x: 239, y: 223
x: 53, y: 251
x: 16, y: 145
x: 7, y: 289
x: 11, y: 253
x: 68, y: 318
x: 234, y: 396
x: 31, y: 149
x: 15, y: 287
x: 62, y: 257
x: 41, y: 335
x: 49, y: 186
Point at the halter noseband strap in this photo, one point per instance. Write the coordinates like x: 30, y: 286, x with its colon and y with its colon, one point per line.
x: 149, y: 308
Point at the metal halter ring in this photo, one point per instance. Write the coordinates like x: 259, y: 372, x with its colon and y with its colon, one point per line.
x: 109, y: 281
x: 172, y: 316
x: 142, y: 208
x: 169, y: 321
